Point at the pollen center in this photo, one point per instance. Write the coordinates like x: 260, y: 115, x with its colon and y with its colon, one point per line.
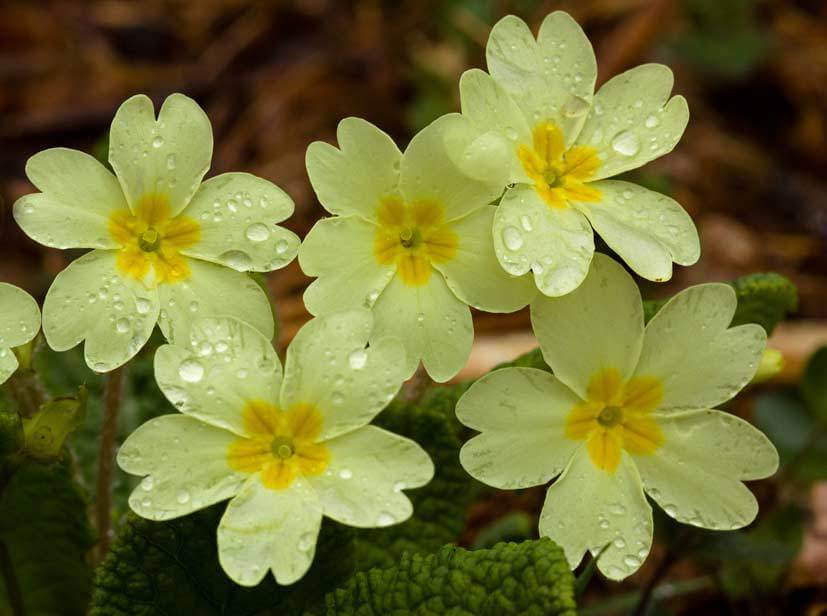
x: 560, y: 175
x: 413, y: 236
x: 151, y: 240
x: 281, y: 444
x: 617, y: 416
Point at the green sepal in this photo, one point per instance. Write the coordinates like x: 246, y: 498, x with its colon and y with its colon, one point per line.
x: 46, y: 431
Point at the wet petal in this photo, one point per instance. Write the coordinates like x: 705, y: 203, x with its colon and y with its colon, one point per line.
x: 473, y: 273
x: 205, y: 294
x: 19, y: 323
x: 368, y: 471
x: 329, y: 367
x: 269, y: 529
x: 696, y: 475
x: 555, y: 243
x: 221, y: 366
x: 340, y: 252
x: 237, y: 215
x: 429, y: 173
x: 687, y: 345
x: 431, y: 322
x: 91, y: 301
x: 184, y: 465
x: 587, y: 509
x: 521, y: 413
x: 169, y: 155
x: 597, y: 327
x: 78, y: 195
x: 355, y: 177
x: 647, y: 229
x: 551, y: 78
x: 633, y: 120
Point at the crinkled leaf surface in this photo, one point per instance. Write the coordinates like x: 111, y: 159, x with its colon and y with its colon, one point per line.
x: 526, y: 579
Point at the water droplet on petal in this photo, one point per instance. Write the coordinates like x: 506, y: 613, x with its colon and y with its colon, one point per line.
x: 183, y: 497
x: 512, y: 238
x: 575, y: 107
x: 191, y: 371
x: 626, y: 143
x: 157, y: 142
x: 345, y: 473
x: 237, y: 260
x: 385, y: 519
x: 257, y: 232
x: 358, y: 359
x: 651, y: 122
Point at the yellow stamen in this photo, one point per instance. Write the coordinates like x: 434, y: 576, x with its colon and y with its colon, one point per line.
x: 152, y: 239
x: 617, y: 416
x: 282, y: 444
x: 559, y: 175
x: 413, y: 236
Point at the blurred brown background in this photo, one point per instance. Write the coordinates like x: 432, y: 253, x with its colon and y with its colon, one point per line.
x: 274, y: 76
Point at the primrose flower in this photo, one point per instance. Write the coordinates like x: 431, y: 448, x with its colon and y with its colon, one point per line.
x: 555, y: 143
x: 287, y: 449
x: 19, y: 323
x: 166, y: 247
x: 411, y: 239
x: 628, y: 412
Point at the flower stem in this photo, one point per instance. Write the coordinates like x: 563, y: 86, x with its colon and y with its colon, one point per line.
x: 112, y: 396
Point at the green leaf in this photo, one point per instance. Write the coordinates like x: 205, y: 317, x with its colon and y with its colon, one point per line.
x: 171, y: 568
x: 814, y: 384
x: 526, y: 579
x: 439, y: 507
x: 45, y: 534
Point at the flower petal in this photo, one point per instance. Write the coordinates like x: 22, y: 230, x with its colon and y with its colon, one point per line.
x: 19, y: 316
x: 212, y: 375
x: 647, y: 229
x: 687, y: 345
x: 275, y: 529
x: 184, y: 464
x: 490, y: 109
x: 597, y: 327
x: 237, y: 215
x: 521, y: 413
x: 696, y: 475
x: 206, y: 293
x: 555, y: 243
x: 169, y: 155
x: 355, y: 177
x: 369, y: 467
x: 551, y: 78
x: 588, y: 509
x: 429, y: 173
x: 340, y: 252
x: 475, y: 276
x: 90, y: 301
x: 430, y: 321
x: 77, y: 196
x: 328, y: 367
x: 633, y: 120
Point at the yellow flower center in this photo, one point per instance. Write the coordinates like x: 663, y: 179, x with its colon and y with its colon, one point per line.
x: 413, y: 236
x: 151, y: 240
x: 559, y: 175
x: 617, y: 416
x: 282, y: 444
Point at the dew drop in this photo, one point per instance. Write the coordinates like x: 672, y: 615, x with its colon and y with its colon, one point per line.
x: 626, y: 143
x: 237, y: 260
x: 122, y: 326
x: 142, y: 305
x: 525, y: 222
x: 157, y: 142
x: 575, y: 107
x: 171, y: 162
x: 306, y: 542
x: 183, y: 497
x: 385, y: 519
x: 651, y: 122
x: 282, y: 246
x: 191, y: 371
x: 257, y: 232
x: 512, y: 238
x: 345, y: 473
x: 147, y: 483
x: 358, y: 359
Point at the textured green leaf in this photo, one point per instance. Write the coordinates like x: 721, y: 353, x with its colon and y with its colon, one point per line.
x: 45, y: 535
x: 526, y: 579
x: 171, y: 568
